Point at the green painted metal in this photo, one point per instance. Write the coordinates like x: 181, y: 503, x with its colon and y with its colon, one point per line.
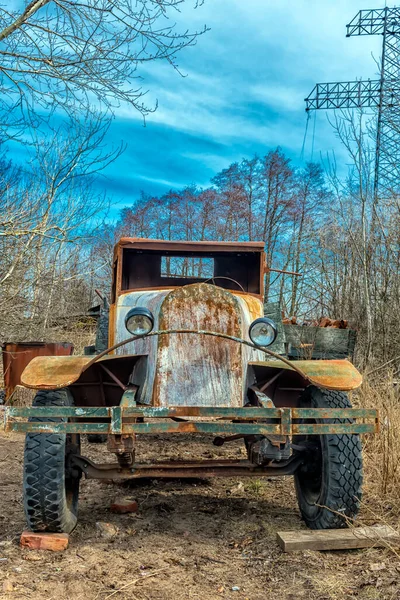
x: 286, y: 421
x: 24, y: 427
x: 129, y: 397
x: 148, y: 412
x: 211, y: 428
x: 216, y: 412
x: 334, y: 413
x: 329, y: 428
x: 162, y: 427
x: 116, y: 420
x: 57, y: 412
x: 280, y: 421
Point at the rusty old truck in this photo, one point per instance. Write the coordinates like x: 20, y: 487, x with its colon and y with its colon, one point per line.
x: 189, y: 352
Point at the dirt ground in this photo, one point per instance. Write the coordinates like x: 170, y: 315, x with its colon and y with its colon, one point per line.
x: 208, y: 539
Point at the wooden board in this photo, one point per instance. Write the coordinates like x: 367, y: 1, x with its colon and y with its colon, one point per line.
x: 337, y: 539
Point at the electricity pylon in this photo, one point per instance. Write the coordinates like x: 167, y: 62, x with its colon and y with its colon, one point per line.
x: 382, y: 94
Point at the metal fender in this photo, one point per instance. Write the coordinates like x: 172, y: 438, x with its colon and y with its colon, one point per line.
x: 54, y: 372
x: 328, y: 374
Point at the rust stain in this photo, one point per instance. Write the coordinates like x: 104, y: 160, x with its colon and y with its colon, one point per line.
x: 205, y: 371
x: 52, y: 372
x: 16, y: 357
x: 329, y: 374
x: 152, y: 300
x: 253, y: 304
x: 192, y: 362
x: 150, y: 244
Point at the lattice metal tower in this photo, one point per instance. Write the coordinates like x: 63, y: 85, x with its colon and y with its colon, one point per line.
x: 383, y: 94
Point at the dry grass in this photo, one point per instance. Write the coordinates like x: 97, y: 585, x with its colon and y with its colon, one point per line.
x: 382, y: 451
x: 80, y: 335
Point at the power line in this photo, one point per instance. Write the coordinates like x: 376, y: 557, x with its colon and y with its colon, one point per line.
x: 305, y: 137
x: 313, y: 137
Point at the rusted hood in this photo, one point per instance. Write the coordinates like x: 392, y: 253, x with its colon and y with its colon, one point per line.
x: 328, y: 374
x: 192, y: 370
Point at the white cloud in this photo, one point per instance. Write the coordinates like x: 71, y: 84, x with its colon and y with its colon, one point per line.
x: 247, y: 79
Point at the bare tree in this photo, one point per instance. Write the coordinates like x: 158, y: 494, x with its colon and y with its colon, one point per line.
x: 352, y: 132
x: 70, y: 54
x: 49, y: 212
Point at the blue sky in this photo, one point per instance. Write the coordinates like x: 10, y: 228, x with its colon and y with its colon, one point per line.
x: 243, y: 93
x: 246, y: 80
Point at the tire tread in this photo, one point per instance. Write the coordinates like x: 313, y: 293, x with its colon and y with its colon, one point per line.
x: 344, y: 467
x: 44, y: 473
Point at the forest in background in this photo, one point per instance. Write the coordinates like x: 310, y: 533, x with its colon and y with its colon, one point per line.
x: 58, y: 245
x: 64, y: 74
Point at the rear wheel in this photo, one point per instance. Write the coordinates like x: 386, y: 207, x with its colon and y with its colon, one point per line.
x: 50, y: 490
x: 328, y: 485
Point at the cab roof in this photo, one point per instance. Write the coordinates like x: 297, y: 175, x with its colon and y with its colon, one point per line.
x: 207, y: 247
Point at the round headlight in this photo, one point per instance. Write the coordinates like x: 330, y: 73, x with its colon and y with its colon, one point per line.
x: 139, y: 321
x: 263, y: 332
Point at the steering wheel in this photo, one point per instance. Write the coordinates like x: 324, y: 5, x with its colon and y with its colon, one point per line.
x: 222, y: 277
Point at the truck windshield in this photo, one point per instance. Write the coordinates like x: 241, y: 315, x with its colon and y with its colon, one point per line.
x: 147, y: 269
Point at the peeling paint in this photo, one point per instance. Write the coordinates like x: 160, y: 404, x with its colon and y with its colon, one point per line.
x: 205, y: 371
x: 248, y: 421
x: 329, y: 374
x: 148, y: 345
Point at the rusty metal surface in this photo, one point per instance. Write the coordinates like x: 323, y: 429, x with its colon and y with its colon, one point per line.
x: 54, y: 372
x: 198, y: 306
x: 147, y: 345
x: 157, y: 412
x: 17, y: 355
x: 261, y: 351
x: 207, y: 468
x: 329, y: 374
x: 227, y: 421
x: 252, y: 309
x: 205, y: 371
x: 353, y: 380
x: 123, y: 446
x: 148, y: 244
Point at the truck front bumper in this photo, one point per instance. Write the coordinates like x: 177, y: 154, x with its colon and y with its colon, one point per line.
x: 119, y: 420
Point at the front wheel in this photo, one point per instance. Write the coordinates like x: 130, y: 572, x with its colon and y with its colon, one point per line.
x: 50, y: 490
x: 328, y: 484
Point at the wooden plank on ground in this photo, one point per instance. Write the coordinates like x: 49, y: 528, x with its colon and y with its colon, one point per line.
x: 338, y: 539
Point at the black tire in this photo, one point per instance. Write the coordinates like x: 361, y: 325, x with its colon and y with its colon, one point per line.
x: 328, y: 485
x: 50, y: 493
